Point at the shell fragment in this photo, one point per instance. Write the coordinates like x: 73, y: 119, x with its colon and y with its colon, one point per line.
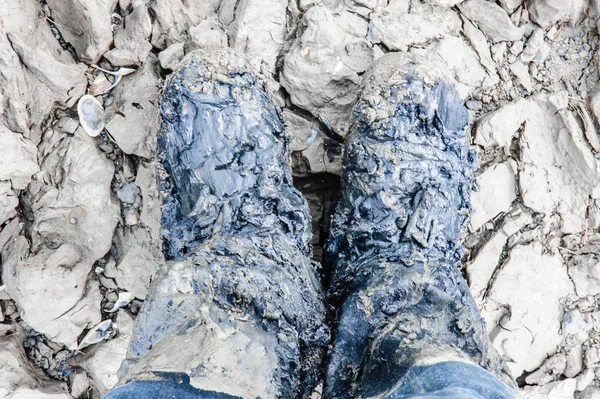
x: 91, y: 115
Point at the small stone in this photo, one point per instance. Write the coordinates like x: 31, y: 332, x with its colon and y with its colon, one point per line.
x: 517, y: 47
x: 107, y: 282
x: 80, y: 384
x: 574, y: 363
x: 498, y: 51
x: 592, y: 356
x: 128, y: 193
x: 591, y: 392
x: 170, y: 56
x: 491, y: 19
x: 521, y: 72
x: 496, y: 194
x: 110, y: 269
x: 585, y: 379
x: 131, y: 217
x: 112, y: 296
x: 474, y: 105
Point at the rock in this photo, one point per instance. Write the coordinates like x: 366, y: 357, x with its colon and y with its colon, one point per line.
x: 573, y: 323
x: 207, y: 34
x: 558, y: 177
x: 591, y: 357
x: 590, y: 393
x: 258, y: 31
x: 173, y: 20
x: 102, y: 361
x: 320, y: 70
x: 525, y: 335
x: 302, y: 131
x: 86, y: 25
x: 458, y: 63
x: 498, y: 51
x: 585, y: 379
x: 131, y: 38
x: 521, y: 72
x: 128, y: 193
x: 498, y: 127
x: 553, y: 178
x: 80, y: 384
x: 72, y: 185
x: 585, y: 273
x: 556, y: 390
x: 31, y: 86
x: 399, y: 25
x: 574, y: 360
x: 517, y: 48
x: 481, y: 270
x: 491, y: 19
x: 110, y: 269
x: 68, y: 85
x: 321, y: 159
x: 170, y: 57
x: 474, y: 105
x: 496, y: 194
x: 133, y: 115
x: 478, y: 41
x: 19, y: 159
x: 548, y: 12
x: 131, y: 217
x: 150, y: 212
x: 537, y: 49
x: 139, y: 260
x: 550, y: 371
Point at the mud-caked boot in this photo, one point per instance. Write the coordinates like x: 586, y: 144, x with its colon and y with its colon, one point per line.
x: 238, y: 310
x: 407, y: 325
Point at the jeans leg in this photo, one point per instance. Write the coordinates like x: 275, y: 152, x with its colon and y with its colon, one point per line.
x: 451, y: 380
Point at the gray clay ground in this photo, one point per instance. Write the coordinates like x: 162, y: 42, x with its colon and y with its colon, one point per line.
x: 79, y: 216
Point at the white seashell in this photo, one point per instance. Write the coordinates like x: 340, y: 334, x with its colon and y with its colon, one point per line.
x: 91, y: 115
x: 123, y: 300
x: 99, y: 332
x: 100, y: 86
x: 119, y: 72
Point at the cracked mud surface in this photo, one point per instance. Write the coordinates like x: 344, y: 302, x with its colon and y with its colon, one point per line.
x: 80, y: 216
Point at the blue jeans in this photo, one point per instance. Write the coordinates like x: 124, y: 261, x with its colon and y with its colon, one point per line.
x: 448, y: 380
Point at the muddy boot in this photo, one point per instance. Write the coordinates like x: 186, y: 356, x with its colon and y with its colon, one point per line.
x: 238, y: 309
x: 406, y: 321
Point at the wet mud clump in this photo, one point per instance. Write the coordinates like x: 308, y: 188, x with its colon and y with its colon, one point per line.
x: 395, y: 248
x: 239, y: 307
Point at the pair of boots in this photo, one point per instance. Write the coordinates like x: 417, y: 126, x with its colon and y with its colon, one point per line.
x: 239, y: 310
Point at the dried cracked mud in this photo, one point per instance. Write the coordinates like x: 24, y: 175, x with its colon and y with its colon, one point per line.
x: 80, y: 216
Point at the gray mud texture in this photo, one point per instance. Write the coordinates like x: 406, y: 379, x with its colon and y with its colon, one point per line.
x: 87, y: 224
x: 240, y: 236
x: 394, y: 245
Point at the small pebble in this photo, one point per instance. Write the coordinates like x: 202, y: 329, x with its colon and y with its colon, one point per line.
x: 474, y: 105
x: 516, y: 48
x: 131, y: 217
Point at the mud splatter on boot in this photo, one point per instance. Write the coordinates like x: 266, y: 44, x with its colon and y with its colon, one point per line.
x: 239, y: 308
x: 395, y: 245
